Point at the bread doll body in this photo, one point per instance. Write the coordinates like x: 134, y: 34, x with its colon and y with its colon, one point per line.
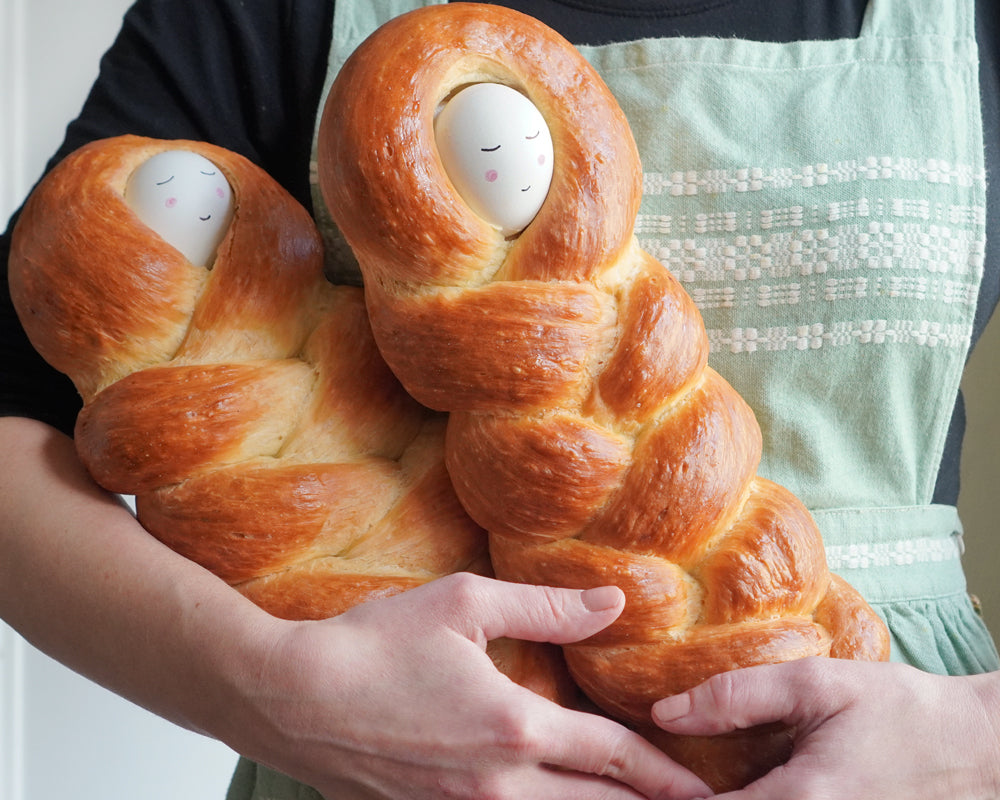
x: 587, y: 433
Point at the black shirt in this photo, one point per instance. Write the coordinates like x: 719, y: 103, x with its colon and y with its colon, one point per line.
x: 247, y: 75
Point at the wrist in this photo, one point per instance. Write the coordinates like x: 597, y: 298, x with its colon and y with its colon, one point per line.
x: 228, y: 679
x: 260, y: 703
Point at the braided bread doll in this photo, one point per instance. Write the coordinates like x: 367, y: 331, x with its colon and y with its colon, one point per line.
x: 587, y: 433
x: 235, y: 392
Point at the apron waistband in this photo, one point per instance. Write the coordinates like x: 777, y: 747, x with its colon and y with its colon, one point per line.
x: 895, y: 554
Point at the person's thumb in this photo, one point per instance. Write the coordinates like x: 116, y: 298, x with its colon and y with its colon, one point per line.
x: 789, y: 692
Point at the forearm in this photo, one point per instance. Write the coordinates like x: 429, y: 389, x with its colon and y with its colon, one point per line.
x: 338, y: 704
x: 82, y: 581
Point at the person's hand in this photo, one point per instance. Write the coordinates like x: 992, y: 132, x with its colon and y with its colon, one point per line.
x: 863, y: 731
x: 397, y: 698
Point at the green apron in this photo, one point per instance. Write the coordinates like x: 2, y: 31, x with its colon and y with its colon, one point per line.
x: 824, y: 204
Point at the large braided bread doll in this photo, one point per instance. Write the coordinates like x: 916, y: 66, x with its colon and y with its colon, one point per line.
x: 238, y: 395
x: 587, y: 433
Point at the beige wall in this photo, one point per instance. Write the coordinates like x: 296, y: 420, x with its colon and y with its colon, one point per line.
x: 979, y: 502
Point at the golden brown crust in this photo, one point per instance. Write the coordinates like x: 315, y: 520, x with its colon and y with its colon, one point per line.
x: 144, y: 312
x: 161, y: 425
x: 587, y: 433
x: 244, y: 404
x: 409, y: 203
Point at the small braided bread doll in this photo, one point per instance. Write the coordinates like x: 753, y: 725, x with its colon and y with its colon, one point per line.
x: 235, y: 392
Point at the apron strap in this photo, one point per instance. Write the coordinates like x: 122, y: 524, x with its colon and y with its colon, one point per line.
x: 895, y: 554
x: 907, y: 563
x: 901, y: 18
x: 353, y: 22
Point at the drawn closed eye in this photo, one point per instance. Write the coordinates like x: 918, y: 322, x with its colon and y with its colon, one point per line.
x: 163, y: 183
x: 535, y: 136
x: 490, y: 149
x: 208, y: 173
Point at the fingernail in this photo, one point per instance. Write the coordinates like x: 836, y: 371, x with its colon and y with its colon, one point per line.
x: 670, y: 708
x: 602, y: 598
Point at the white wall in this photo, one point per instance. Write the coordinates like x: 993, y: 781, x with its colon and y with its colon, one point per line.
x: 60, y: 735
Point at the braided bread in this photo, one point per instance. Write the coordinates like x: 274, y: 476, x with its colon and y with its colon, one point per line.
x: 244, y: 404
x: 587, y: 433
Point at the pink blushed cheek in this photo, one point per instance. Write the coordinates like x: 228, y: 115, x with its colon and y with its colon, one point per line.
x: 219, y: 192
x: 171, y: 202
x: 491, y: 175
x: 541, y: 159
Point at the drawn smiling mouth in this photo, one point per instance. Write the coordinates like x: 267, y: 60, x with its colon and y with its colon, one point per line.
x: 205, y: 219
x: 527, y: 188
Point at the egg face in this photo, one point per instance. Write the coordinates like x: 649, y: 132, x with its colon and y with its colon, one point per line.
x: 497, y: 151
x: 186, y: 199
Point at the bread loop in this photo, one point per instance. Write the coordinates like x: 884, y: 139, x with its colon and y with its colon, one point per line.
x: 587, y: 433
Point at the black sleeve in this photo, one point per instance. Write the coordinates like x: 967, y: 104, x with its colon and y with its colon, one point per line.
x: 243, y: 74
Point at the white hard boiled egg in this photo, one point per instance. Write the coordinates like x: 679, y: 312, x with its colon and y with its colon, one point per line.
x: 497, y: 151
x: 186, y: 199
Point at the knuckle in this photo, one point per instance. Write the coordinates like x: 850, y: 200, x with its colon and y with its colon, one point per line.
x: 724, y: 690
x: 462, y: 588
x: 515, y: 736
x: 612, y: 754
x: 616, y: 761
x: 811, y: 670
x: 813, y: 678
x: 554, y: 602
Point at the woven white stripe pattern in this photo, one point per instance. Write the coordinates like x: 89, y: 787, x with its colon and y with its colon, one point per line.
x: 906, y: 552
x: 754, y: 179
